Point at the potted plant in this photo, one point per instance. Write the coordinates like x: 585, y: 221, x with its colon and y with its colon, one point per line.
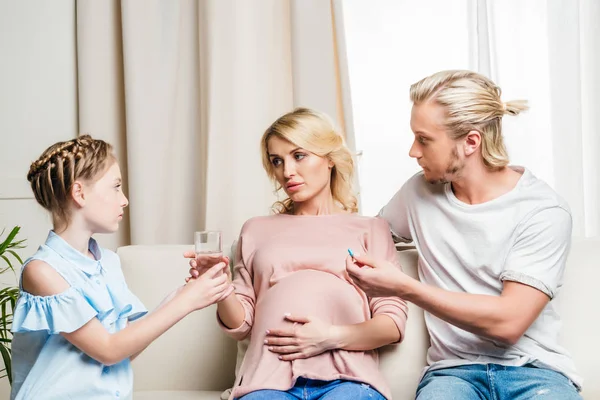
x: 8, y: 296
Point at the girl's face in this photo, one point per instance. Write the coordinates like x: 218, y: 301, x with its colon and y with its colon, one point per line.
x: 102, y: 202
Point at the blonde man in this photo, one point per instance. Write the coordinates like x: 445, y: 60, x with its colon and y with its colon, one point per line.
x: 493, y: 241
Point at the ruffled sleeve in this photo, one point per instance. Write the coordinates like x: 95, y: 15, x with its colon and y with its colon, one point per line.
x: 128, y: 306
x: 64, y: 312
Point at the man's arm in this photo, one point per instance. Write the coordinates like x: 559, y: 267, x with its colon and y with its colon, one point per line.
x: 533, y: 272
x: 503, y: 318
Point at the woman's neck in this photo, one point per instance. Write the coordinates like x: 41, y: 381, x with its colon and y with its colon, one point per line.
x: 318, y: 210
x: 322, y: 204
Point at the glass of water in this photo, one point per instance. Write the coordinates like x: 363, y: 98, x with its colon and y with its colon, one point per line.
x: 209, y: 243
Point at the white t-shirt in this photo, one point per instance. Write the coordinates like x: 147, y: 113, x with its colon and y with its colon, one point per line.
x: 523, y: 236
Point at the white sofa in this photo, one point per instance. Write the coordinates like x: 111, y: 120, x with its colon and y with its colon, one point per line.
x: 195, y: 360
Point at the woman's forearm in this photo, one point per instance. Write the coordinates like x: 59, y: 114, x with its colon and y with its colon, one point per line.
x: 369, y: 335
x: 231, y: 312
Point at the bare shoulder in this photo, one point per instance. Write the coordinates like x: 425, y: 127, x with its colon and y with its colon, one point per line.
x: 40, y: 279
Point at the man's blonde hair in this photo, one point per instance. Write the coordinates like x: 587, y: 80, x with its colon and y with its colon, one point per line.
x: 472, y: 102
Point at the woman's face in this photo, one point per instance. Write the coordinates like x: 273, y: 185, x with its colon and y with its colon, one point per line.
x: 302, y: 175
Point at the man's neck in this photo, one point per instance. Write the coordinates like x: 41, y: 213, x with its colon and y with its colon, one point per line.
x: 480, y: 184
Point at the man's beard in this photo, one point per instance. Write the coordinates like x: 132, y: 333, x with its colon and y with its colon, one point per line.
x: 455, y: 166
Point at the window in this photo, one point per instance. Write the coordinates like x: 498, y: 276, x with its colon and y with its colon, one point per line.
x: 390, y: 45
x: 539, y: 51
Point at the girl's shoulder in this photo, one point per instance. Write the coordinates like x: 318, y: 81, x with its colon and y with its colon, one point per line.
x: 46, y: 262
x: 39, y: 278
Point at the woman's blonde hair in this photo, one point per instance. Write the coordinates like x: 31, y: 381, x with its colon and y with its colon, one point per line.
x: 53, y: 174
x: 314, y: 132
x: 472, y: 102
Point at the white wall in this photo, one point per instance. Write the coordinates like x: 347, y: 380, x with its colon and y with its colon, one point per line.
x: 38, y: 97
x: 37, y: 102
x: 385, y: 56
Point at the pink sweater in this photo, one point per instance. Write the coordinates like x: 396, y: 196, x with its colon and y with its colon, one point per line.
x: 296, y: 264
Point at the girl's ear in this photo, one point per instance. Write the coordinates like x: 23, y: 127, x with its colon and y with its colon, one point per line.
x: 78, y: 194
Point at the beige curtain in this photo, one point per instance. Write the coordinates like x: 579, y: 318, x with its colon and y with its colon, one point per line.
x: 185, y: 89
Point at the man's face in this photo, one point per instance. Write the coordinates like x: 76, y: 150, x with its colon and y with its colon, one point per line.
x: 440, y: 156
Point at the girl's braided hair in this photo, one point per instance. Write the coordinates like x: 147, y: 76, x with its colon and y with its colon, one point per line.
x: 53, y: 174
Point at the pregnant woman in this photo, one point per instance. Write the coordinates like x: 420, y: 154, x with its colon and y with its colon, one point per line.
x: 313, y: 332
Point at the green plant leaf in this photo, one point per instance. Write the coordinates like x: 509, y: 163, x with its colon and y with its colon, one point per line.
x: 4, y: 332
x: 9, y: 239
x: 15, y: 255
x: 10, y: 291
x: 17, y: 245
x: 8, y: 297
x: 5, y: 352
x: 8, y: 262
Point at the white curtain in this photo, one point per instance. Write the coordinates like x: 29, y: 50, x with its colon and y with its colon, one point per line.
x: 550, y: 52
x: 185, y: 90
x: 547, y: 52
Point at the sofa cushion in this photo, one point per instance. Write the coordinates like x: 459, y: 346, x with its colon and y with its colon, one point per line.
x: 193, y: 355
x: 176, y: 395
x: 402, y: 364
x: 575, y: 303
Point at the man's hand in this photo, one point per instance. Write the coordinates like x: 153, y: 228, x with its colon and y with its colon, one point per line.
x: 504, y: 318
x: 308, y: 337
x: 378, y: 278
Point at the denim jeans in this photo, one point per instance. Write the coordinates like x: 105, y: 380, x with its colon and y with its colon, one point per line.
x: 496, y: 382
x: 309, y: 389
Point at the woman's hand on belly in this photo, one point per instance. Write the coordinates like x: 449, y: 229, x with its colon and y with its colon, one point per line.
x: 307, y: 337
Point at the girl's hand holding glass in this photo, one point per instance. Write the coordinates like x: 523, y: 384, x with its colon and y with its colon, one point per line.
x: 207, y: 253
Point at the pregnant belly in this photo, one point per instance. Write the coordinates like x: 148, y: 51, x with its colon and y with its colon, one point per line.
x: 310, y: 293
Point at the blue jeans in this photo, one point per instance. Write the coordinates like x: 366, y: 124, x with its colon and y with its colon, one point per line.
x: 496, y: 382
x: 309, y: 389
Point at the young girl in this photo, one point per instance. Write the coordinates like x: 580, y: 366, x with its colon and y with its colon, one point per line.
x: 72, y: 337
